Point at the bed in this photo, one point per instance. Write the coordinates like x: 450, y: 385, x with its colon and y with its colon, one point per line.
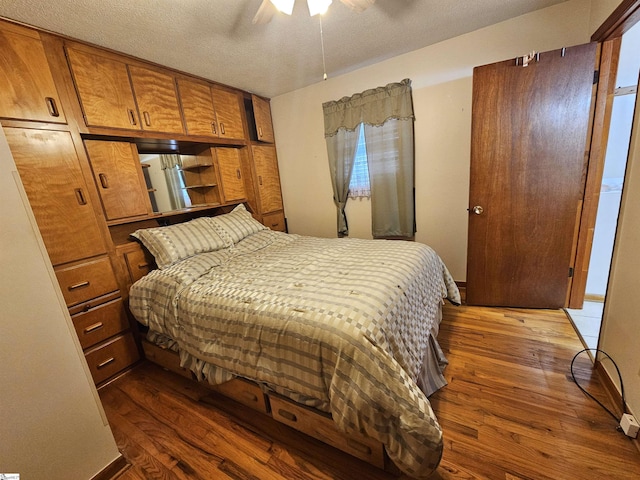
x: 344, y: 327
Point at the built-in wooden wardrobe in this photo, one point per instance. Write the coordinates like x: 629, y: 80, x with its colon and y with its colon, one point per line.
x: 77, y: 118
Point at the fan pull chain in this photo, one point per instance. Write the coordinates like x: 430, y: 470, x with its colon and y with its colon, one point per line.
x: 324, y: 66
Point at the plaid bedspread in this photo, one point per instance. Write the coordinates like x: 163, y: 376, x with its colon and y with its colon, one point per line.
x: 343, y: 325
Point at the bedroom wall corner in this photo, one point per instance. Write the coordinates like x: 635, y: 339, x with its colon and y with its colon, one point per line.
x: 53, y: 425
x: 441, y: 77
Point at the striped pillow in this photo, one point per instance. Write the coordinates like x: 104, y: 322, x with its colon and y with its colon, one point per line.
x: 236, y: 225
x: 171, y: 244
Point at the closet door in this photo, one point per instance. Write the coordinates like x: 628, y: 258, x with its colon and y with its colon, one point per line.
x: 228, y: 113
x: 197, y: 108
x: 262, y: 114
x: 50, y: 171
x: 529, y: 147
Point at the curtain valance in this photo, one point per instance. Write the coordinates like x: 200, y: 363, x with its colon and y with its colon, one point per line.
x: 371, y: 107
x: 170, y: 161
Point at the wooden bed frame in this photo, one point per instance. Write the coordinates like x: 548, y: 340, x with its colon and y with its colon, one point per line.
x: 309, y: 421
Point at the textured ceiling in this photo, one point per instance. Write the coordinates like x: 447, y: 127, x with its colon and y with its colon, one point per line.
x: 215, y: 39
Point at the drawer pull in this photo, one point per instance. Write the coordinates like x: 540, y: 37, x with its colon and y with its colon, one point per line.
x: 94, y: 327
x: 274, y: 225
x: 106, y: 362
x: 221, y: 128
x: 259, y: 131
x: 80, y: 197
x: 147, y: 118
x: 260, y: 179
x: 288, y: 415
x: 238, y: 173
x: 51, y: 105
x: 213, y: 128
x: 104, y: 181
x: 132, y: 116
x: 142, y: 266
x: 78, y: 285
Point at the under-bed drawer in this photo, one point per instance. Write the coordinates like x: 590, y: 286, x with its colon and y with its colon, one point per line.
x: 96, y: 324
x: 165, y: 358
x: 323, y: 428
x: 244, y: 392
x: 112, y: 357
x: 275, y: 221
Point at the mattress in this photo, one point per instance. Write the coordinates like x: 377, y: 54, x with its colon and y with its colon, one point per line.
x: 347, y: 326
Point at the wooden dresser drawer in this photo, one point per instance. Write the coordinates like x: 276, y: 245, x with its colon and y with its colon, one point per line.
x: 275, y: 221
x: 138, y: 264
x: 85, y: 281
x: 244, y: 392
x: 100, y: 322
x: 109, y: 359
x: 315, y: 424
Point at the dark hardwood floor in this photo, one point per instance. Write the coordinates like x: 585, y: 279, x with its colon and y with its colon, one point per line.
x: 511, y: 411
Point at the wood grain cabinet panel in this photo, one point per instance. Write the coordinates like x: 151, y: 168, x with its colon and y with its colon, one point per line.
x: 157, y: 99
x: 52, y: 178
x: 118, y: 176
x: 97, y: 323
x: 262, y: 114
x: 210, y: 111
x: 111, y: 358
x: 26, y: 83
x: 230, y: 170
x: 104, y: 90
x: 266, y: 166
x: 85, y: 281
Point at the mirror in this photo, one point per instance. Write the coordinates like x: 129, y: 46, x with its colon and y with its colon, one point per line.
x: 165, y: 181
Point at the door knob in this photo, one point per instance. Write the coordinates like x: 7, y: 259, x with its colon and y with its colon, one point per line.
x: 477, y: 210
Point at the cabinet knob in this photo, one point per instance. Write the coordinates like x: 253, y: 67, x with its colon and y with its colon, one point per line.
x: 51, y: 106
x: 104, y: 181
x: 132, y: 117
x: 147, y: 118
x: 214, y: 128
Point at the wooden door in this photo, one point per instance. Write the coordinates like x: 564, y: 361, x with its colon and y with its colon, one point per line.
x: 197, y: 108
x: 103, y: 87
x: 28, y: 90
x: 528, y: 161
x: 228, y: 113
x: 118, y: 176
x: 157, y: 99
x: 266, y: 165
x: 52, y: 178
x: 230, y: 174
x: 262, y: 114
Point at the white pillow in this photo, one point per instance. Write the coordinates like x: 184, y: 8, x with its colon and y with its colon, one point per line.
x: 236, y: 224
x: 173, y: 243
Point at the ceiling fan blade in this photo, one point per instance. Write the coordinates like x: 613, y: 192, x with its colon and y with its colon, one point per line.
x: 265, y: 13
x: 358, y: 5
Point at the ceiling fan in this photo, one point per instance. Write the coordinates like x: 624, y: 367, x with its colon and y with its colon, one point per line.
x: 269, y: 7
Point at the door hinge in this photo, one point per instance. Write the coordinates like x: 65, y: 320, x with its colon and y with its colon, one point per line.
x: 596, y: 76
x: 570, y: 272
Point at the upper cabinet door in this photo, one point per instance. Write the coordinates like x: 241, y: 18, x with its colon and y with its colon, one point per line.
x: 52, y: 178
x: 228, y: 113
x: 118, y: 175
x: 28, y: 90
x: 102, y: 84
x: 210, y: 111
x: 197, y: 108
x: 157, y: 99
x: 230, y: 173
x: 262, y: 114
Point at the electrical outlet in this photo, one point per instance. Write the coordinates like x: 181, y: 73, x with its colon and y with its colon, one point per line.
x: 629, y: 425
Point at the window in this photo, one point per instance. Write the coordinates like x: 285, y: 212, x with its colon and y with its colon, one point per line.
x: 359, y: 186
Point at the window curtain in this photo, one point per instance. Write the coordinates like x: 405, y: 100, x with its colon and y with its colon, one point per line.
x: 387, y: 113
x: 171, y: 165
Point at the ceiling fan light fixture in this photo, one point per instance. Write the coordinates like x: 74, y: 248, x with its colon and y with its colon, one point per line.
x: 285, y: 6
x: 318, y: 6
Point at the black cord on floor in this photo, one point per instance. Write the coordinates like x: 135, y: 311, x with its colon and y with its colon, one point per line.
x: 591, y: 396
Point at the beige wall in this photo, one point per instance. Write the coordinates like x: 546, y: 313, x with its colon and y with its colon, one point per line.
x: 621, y: 322
x: 442, y: 79
x: 51, y: 422
x: 600, y: 10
